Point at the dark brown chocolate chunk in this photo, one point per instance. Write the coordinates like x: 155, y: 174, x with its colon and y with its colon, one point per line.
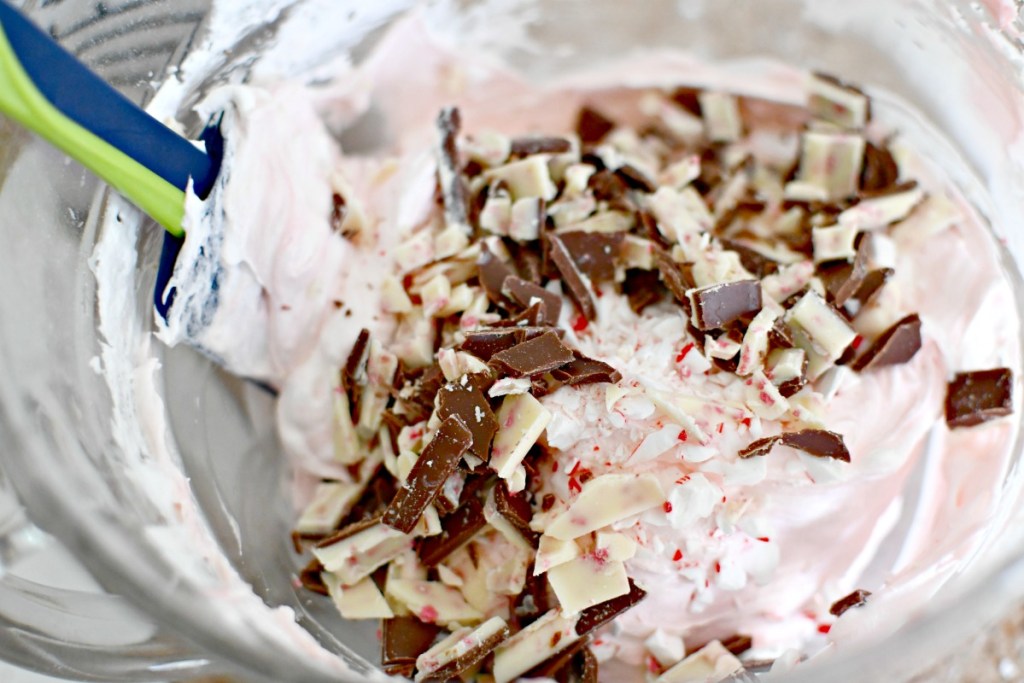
x: 533, y: 601
x: 471, y: 407
x: 419, y: 402
x: 592, y: 125
x: 607, y: 186
x: 556, y: 663
x: 820, y: 443
x: 673, y: 276
x: 597, y: 616
x: 979, y: 396
x: 718, y: 305
x: 879, y: 171
x: 457, y: 529
x: 527, y: 146
x: 872, y: 285
x: 854, y: 599
x: 897, y: 345
x: 636, y: 179
x: 356, y: 362
x: 737, y: 644
x: 582, y: 370
x: 435, y: 464
x: 454, y: 192
x: 642, y: 288
x: 594, y: 253
x: 523, y: 292
x: 649, y: 228
x: 515, y: 507
x: 578, y: 288
x: 535, y: 356
x: 792, y: 386
x: 493, y: 272
x: 485, y: 343
x: 311, y: 579
x: 688, y: 99
x: 843, y: 280
x: 403, y: 639
x: 468, y: 659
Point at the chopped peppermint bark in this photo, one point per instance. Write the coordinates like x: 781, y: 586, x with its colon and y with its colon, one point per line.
x: 855, y: 599
x: 979, y: 396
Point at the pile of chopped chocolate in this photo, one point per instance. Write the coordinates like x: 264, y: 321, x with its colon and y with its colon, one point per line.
x: 442, y: 530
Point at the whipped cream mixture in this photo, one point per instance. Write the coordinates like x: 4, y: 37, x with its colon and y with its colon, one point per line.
x: 307, y: 240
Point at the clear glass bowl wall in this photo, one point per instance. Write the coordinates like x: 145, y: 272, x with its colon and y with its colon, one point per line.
x: 56, y: 411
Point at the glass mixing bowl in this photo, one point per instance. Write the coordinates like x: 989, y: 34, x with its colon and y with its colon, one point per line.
x: 174, y: 601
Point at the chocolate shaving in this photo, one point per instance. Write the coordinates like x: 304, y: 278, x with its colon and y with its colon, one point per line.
x: 403, y: 639
x: 635, y: 179
x: 579, y: 289
x: 855, y: 599
x: 474, y: 412
x: 979, y: 396
x: 532, y: 357
x: 820, y: 443
x: 493, y: 272
x: 642, y: 288
x: 428, y: 474
x: 583, y: 370
x: 523, y: 292
x: 594, y: 252
x: 349, y: 530
x: 528, y: 146
x: 457, y: 530
x: 454, y: 193
x: 452, y: 670
x: 718, y: 305
x: 597, y: 616
x: 897, y: 345
x: 592, y: 125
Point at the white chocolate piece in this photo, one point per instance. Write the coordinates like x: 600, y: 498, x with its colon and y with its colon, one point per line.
x: 835, y: 103
x: 361, y: 601
x: 679, y: 212
x: 637, y: 252
x: 496, y: 215
x: 410, y: 437
x: 721, y: 112
x: 433, y: 602
x: 834, y: 243
x: 577, y: 179
x: 347, y: 448
x: 509, y: 386
x: 331, y: 501
x: 450, y: 241
x: 763, y: 397
x: 488, y: 148
x: 787, y: 281
x: 783, y: 365
x: 678, y: 121
x: 755, y: 341
x: 572, y: 210
x: 723, y: 347
x: 393, y: 297
x: 729, y: 196
x: 435, y: 295
x: 666, y: 649
x: 878, y: 212
x: 587, y: 581
x: 460, y: 299
x: 831, y: 162
x: 457, y: 645
x: 606, y: 221
x: 355, y: 557
x: 605, y: 500
x: 455, y: 364
x: 552, y: 552
x: 710, y: 664
x: 681, y: 173
x: 414, y: 251
x: 449, y: 577
x: 414, y: 340
x: 521, y: 421
x: 617, y: 547
x: 503, y: 526
x: 527, y: 219
x: 527, y: 177
x: 545, y: 637
x: 826, y: 329
x: 381, y: 366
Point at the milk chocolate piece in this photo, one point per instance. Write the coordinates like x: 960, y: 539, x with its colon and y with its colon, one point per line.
x: 523, y: 292
x: 597, y: 616
x: 872, y: 284
x: 579, y: 290
x: 854, y: 599
x: 583, y: 370
x: 515, y: 507
x: 592, y: 125
x: 635, y: 179
x: 311, y: 579
x: 738, y: 643
x: 454, y: 193
x: 461, y: 651
x: 688, y: 99
x: 470, y: 405
x: 897, y: 345
x: 646, y: 220
x: 880, y: 171
x: 457, y: 530
x: 403, y: 639
x: 532, y: 357
x: 820, y: 443
x: 843, y: 280
x: 485, y: 343
x: 642, y: 288
x: 979, y: 396
x: 594, y: 252
x: 355, y: 364
x: 428, y: 474
x: 718, y: 305
x: 673, y: 277
x: 526, y: 146
x: 607, y: 186
x: 493, y: 272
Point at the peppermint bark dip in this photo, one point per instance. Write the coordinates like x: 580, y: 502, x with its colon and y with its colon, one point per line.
x: 638, y: 398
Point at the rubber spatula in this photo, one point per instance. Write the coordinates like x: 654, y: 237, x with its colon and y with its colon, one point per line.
x: 47, y: 90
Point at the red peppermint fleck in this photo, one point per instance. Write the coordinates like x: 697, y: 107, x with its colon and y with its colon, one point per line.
x: 580, y: 323
x: 601, y: 555
x: 857, y: 341
x: 683, y: 479
x: 678, y: 556
x: 746, y: 422
x: 597, y: 448
x: 718, y: 567
x: 763, y: 539
x: 721, y: 426
x: 554, y: 466
x: 824, y: 628
x: 575, y: 468
x: 682, y: 353
x: 652, y: 665
x: 766, y: 399
x: 682, y: 435
x: 574, y: 486
x: 428, y: 614
x: 667, y: 507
